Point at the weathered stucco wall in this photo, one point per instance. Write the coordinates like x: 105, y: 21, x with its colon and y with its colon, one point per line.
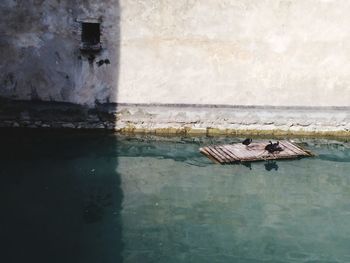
x: 40, y: 56
x: 171, y: 60
x: 235, y: 52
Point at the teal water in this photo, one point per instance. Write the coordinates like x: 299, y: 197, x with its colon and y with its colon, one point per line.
x: 85, y: 197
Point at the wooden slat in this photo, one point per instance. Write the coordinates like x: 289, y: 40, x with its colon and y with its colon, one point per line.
x: 203, y: 151
x: 214, y: 154
x: 291, y: 147
x: 227, y: 157
x: 298, y: 147
x: 222, y: 157
x: 232, y: 155
x: 209, y: 155
x: 286, y: 151
x: 241, y: 153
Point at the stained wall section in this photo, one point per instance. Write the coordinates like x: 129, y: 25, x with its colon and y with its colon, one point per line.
x: 40, y: 51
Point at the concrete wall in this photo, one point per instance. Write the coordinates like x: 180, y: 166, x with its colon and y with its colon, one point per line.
x: 169, y: 54
x: 236, y: 52
x: 213, y: 120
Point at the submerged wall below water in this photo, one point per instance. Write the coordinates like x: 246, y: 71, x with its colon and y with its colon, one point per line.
x: 172, y: 61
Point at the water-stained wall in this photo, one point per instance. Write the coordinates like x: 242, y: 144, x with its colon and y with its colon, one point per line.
x: 40, y: 50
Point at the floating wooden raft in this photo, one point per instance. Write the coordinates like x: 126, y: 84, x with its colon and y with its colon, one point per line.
x: 232, y: 153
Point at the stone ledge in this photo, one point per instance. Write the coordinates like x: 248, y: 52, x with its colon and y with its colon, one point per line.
x: 233, y: 121
x: 173, y: 119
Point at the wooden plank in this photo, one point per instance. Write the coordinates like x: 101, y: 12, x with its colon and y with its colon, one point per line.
x: 203, y: 151
x: 223, y: 158
x: 263, y: 154
x: 237, y: 153
x: 214, y: 154
x: 234, y: 150
x: 291, y: 147
x: 232, y: 155
x: 209, y: 155
x: 255, y: 150
x: 299, y: 148
x: 227, y: 157
x: 242, y: 153
x: 286, y: 151
x: 252, y: 150
x: 212, y: 148
x: 301, y: 151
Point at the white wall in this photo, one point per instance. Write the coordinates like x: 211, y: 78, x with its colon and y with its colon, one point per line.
x: 236, y: 52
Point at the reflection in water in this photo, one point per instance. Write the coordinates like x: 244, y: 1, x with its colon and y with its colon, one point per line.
x: 63, y: 198
x: 102, y: 198
x: 247, y: 164
x: 94, y: 207
x: 271, y: 165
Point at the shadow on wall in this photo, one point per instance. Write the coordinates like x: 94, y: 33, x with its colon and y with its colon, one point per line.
x: 60, y: 63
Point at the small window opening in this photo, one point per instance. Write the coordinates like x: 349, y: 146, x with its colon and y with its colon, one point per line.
x: 90, y: 36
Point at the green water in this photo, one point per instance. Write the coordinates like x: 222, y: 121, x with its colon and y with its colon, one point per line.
x: 84, y: 197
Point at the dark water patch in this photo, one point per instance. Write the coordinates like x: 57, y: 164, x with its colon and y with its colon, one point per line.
x: 60, y: 198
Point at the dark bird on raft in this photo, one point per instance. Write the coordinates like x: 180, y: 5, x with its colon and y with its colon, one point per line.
x: 273, y: 147
x: 247, y: 141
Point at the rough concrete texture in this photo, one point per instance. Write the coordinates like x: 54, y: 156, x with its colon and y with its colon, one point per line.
x: 40, y: 56
x: 178, y: 119
x: 233, y: 120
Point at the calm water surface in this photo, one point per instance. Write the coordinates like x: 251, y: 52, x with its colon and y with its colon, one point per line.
x: 105, y: 198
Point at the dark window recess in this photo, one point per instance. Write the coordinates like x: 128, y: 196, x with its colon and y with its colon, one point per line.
x: 90, y: 37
